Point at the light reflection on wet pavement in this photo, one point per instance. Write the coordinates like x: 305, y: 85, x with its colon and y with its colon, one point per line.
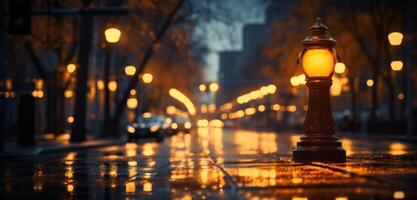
x: 212, y: 163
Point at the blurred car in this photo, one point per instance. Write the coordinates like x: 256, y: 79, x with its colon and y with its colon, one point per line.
x: 149, y: 126
x: 181, y: 124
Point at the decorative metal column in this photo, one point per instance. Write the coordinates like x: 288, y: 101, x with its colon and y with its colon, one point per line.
x: 318, y: 58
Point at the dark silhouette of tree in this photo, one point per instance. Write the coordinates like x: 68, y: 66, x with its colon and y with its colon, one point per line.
x: 378, y: 17
x: 58, y: 36
x: 156, y: 38
x: 79, y: 129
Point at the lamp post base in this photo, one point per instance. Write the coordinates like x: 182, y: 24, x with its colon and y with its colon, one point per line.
x: 319, y: 149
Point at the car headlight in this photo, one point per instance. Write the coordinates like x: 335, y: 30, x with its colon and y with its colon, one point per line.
x: 174, y: 126
x: 131, y: 129
x: 154, y: 128
x: 187, y: 125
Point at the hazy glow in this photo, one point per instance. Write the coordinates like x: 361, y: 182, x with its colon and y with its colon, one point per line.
x: 276, y: 107
x: 261, y: 108
x: 401, y: 96
x: 397, y: 65
x: 71, y: 68
x: 132, y: 92
x: 112, y: 86
x: 397, y: 148
x: 202, y: 123
x: 340, y: 68
x: 399, y: 195
x: 70, y: 119
x: 214, y: 87
x: 318, y: 62
x: 171, y: 110
x: 250, y: 111
x: 146, y: 115
x: 216, y: 123
x: 370, y: 82
x: 130, y: 70
x: 187, y: 125
x: 112, y: 35
x: 100, y: 84
x: 130, y: 129
x: 395, y: 38
x: 291, y: 108
x: 174, y: 126
x: 336, y: 88
x: 147, y: 78
x: 132, y: 103
x: 176, y: 94
x: 69, y: 93
x: 202, y: 87
x: 294, y: 81
x: 253, y: 95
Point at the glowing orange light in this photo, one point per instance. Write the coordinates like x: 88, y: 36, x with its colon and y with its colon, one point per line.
x: 318, y: 62
x: 395, y: 38
x: 112, y: 35
x: 147, y: 78
x: 71, y: 68
x: 397, y: 65
x: 130, y: 70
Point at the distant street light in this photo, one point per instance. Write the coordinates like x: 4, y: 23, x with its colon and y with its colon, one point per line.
x: 100, y: 85
x: 112, y: 35
x: 261, y: 108
x: 370, y: 82
x: 71, y: 68
x: 130, y: 70
x: 112, y: 86
x: 147, y: 78
x: 132, y: 103
x: 397, y: 65
x: 68, y: 93
x: 340, y: 68
x: 214, y: 87
x: 70, y: 119
x: 294, y: 81
x: 132, y: 92
x: 202, y: 87
x: 318, y: 59
x: 401, y: 96
x: 395, y: 38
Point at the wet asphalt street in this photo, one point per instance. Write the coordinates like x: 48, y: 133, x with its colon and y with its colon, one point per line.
x: 212, y: 163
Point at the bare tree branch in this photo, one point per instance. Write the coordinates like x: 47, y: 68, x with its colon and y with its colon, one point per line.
x: 36, y: 61
x: 148, y: 54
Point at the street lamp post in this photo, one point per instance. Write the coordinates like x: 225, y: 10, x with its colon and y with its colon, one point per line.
x: 318, y: 59
x: 112, y: 36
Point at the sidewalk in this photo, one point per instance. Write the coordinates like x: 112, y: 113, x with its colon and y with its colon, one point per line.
x: 55, y: 146
x: 372, y: 136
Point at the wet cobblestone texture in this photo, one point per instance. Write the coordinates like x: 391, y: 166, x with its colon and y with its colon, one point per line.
x: 212, y: 163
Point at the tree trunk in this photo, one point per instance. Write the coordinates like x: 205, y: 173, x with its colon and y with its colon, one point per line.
x: 86, y: 36
x: 3, y: 64
x: 60, y: 104
x: 375, y: 104
x: 106, y: 119
x: 391, y: 101
x: 50, y: 94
